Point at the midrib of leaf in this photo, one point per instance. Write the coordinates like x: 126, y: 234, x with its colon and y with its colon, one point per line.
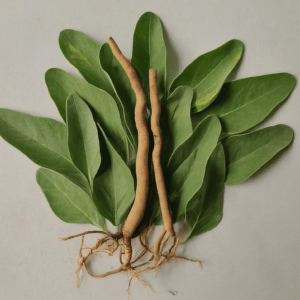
x: 191, y: 152
x: 185, y: 181
x: 72, y: 202
x: 201, y: 219
x: 215, y: 67
x: 248, y: 103
x: 124, y: 115
x: 51, y: 150
x: 249, y: 154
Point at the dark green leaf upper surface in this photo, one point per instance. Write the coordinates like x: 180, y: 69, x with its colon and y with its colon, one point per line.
x: 247, y: 153
x: 83, y: 53
x: 43, y: 140
x: 204, y: 211
x: 83, y: 137
x: 175, y: 121
x: 246, y: 102
x: 114, y: 185
x: 207, y: 73
x: 68, y: 201
x: 61, y: 84
x: 149, y: 52
x: 186, y: 168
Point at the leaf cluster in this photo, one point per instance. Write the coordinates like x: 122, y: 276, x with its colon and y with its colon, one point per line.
x: 88, y: 162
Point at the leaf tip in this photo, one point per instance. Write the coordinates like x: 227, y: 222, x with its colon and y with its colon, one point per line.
x: 288, y: 132
x: 291, y: 77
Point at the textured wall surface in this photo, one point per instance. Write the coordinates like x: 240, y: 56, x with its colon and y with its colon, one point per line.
x: 253, y: 253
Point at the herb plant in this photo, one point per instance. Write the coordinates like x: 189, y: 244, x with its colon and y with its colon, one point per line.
x: 103, y: 163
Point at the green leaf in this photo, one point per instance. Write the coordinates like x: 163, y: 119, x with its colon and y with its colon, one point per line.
x: 68, y: 201
x: 83, y: 137
x: 204, y: 211
x: 42, y: 140
x: 149, y: 52
x: 124, y: 95
x: 247, y: 153
x: 83, y: 53
x: 176, y: 125
x: 61, y: 84
x: 114, y: 185
x: 246, y: 102
x: 186, y: 168
x: 207, y: 73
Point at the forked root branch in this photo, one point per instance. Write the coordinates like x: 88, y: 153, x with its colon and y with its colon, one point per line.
x: 134, y: 270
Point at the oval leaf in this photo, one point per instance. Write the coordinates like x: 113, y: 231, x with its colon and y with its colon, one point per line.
x: 204, y: 211
x: 246, y: 102
x: 83, y: 137
x: 43, y: 140
x: 207, y: 73
x: 67, y: 200
x: 83, y: 53
x: 247, y: 153
x: 149, y: 52
x: 114, y: 184
x: 61, y: 84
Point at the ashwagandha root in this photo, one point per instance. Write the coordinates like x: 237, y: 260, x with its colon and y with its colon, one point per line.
x: 157, y: 136
x: 159, y: 178
x: 160, y: 182
x: 134, y: 270
x: 110, y: 243
x: 142, y: 173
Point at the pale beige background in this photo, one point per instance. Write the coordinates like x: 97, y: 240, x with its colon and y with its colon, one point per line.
x: 253, y: 253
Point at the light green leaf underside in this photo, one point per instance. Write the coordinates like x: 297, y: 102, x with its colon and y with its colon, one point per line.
x: 246, y: 102
x: 114, y: 185
x: 83, y: 53
x: 42, y: 140
x: 68, y: 201
x: 61, y: 84
x: 175, y: 121
x: 149, y: 52
x: 207, y: 73
x: 247, y: 153
x: 83, y: 137
x: 186, y: 168
x: 124, y: 94
x: 204, y: 211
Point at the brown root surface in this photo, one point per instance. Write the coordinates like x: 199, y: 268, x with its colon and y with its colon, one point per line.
x: 110, y: 243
